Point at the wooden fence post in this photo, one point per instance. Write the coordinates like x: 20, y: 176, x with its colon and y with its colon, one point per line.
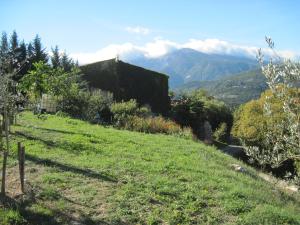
x: 21, y: 158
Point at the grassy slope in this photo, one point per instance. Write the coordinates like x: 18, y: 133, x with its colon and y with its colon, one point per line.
x: 92, y: 174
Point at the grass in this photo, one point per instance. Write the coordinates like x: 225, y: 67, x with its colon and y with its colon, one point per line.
x: 89, y: 174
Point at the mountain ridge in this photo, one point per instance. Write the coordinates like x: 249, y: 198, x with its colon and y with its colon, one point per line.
x: 186, y: 65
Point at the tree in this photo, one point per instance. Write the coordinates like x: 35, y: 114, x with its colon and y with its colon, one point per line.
x: 278, y: 115
x: 55, y: 58
x: 38, y: 52
x: 14, y: 43
x: 36, y: 82
x: 4, y: 45
x: 30, y: 50
x: 66, y: 63
x: 8, y: 99
x: 195, y: 108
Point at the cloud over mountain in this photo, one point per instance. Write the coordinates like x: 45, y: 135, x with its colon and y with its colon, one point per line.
x: 159, y: 47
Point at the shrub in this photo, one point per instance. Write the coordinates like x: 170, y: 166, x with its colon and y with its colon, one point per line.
x: 93, y: 106
x: 220, y: 133
x: 195, y: 108
x: 74, y: 103
x: 98, y: 107
x: 156, y: 125
x: 123, y: 110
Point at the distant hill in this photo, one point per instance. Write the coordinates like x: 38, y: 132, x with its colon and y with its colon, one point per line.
x: 128, y: 81
x: 186, y: 65
x: 233, y: 90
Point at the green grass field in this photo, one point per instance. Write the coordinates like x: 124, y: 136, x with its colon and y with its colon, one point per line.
x: 77, y: 173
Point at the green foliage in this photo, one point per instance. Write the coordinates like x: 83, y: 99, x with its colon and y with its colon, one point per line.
x: 123, y: 110
x: 221, y: 132
x: 251, y: 126
x: 156, y: 125
x: 270, y: 126
x: 43, y: 79
x: 98, y: 107
x: 11, y: 217
x: 38, y: 52
x: 37, y: 81
x: 55, y: 58
x: 197, y: 107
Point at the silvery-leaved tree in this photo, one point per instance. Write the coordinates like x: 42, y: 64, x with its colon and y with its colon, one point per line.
x: 282, y: 139
x: 8, y: 105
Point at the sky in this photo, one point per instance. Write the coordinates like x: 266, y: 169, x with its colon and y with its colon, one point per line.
x: 91, y: 30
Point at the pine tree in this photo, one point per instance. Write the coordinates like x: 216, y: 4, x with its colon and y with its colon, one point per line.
x: 30, y: 50
x: 66, y: 63
x: 55, y: 58
x: 23, y: 51
x: 14, y: 43
x: 39, y: 54
x: 4, y: 45
x: 23, y: 60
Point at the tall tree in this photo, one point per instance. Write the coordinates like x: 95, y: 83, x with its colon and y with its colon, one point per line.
x: 30, y: 50
x: 23, y: 51
x: 22, y: 59
x: 3, y: 45
x: 14, y: 43
x: 66, y: 62
x: 55, y: 58
x: 39, y: 53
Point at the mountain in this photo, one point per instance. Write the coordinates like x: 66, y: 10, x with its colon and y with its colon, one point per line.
x: 186, y: 65
x: 233, y: 90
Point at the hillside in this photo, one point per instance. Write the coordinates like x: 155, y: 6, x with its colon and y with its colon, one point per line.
x: 187, y: 65
x: 128, y: 81
x: 78, y: 173
x: 233, y: 90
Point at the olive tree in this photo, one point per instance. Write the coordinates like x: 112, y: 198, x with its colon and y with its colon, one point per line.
x: 8, y: 107
x: 282, y: 139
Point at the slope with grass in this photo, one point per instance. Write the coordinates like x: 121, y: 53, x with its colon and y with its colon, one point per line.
x: 77, y: 173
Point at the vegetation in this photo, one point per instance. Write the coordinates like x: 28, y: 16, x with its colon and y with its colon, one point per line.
x: 194, y: 109
x: 82, y: 173
x: 233, y: 90
x: 220, y: 133
x: 270, y: 127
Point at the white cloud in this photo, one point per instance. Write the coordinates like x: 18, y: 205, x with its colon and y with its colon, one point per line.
x: 159, y: 47
x: 138, y: 30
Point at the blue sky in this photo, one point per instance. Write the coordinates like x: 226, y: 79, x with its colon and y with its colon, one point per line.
x: 88, y: 26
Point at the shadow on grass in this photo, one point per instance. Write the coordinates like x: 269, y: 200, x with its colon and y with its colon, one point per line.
x: 73, y: 147
x: 70, y: 168
x: 57, y: 217
x: 61, y: 131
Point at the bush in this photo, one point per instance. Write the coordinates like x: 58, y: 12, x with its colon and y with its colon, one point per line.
x: 98, y: 107
x: 197, y: 107
x: 156, y: 125
x: 220, y: 133
x: 91, y: 106
x: 123, y: 110
x: 74, y: 103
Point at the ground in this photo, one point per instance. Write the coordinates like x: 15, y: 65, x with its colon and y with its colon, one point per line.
x: 77, y: 173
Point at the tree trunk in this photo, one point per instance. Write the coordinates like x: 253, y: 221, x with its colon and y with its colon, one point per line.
x: 5, y: 152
